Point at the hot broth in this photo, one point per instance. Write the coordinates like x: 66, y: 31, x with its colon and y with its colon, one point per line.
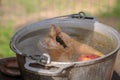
x: 29, y: 44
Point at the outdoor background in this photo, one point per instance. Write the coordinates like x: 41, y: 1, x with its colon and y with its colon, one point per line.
x: 15, y: 13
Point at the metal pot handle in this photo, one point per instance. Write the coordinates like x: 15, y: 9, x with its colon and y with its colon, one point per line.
x: 57, y: 72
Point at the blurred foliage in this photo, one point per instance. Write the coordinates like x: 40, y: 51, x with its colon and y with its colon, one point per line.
x: 116, y: 9
x: 115, y: 12
x: 5, y: 34
x: 28, y: 5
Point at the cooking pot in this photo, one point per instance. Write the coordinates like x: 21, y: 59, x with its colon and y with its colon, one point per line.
x: 97, y: 69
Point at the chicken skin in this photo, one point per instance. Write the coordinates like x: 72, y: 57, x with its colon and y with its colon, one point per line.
x: 62, y: 47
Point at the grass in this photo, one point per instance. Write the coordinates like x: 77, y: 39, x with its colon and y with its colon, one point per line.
x: 28, y: 6
x: 5, y: 34
x: 116, y: 9
x: 116, y: 13
x: 113, y: 13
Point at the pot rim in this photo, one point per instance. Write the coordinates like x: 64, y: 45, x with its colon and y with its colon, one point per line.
x: 100, y: 59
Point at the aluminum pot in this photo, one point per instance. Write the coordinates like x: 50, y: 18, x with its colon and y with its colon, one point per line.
x: 97, y: 69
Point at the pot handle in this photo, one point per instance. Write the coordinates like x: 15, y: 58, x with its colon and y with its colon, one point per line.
x: 59, y: 71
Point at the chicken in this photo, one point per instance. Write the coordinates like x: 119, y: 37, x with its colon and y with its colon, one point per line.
x: 62, y: 47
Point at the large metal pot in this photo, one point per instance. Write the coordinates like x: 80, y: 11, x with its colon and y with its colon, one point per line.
x: 97, y: 69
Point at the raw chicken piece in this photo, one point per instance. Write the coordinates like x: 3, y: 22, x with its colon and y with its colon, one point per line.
x: 62, y: 47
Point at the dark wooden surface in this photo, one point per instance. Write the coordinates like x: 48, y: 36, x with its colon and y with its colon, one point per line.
x: 6, y: 77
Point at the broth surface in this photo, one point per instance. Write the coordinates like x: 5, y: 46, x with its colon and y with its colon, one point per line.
x: 28, y: 44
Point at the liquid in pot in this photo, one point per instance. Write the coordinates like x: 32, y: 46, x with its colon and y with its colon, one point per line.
x: 29, y: 44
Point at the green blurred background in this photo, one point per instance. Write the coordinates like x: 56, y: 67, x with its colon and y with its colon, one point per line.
x: 15, y: 13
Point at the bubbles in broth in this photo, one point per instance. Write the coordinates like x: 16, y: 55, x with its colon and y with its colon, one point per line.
x: 28, y: 44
